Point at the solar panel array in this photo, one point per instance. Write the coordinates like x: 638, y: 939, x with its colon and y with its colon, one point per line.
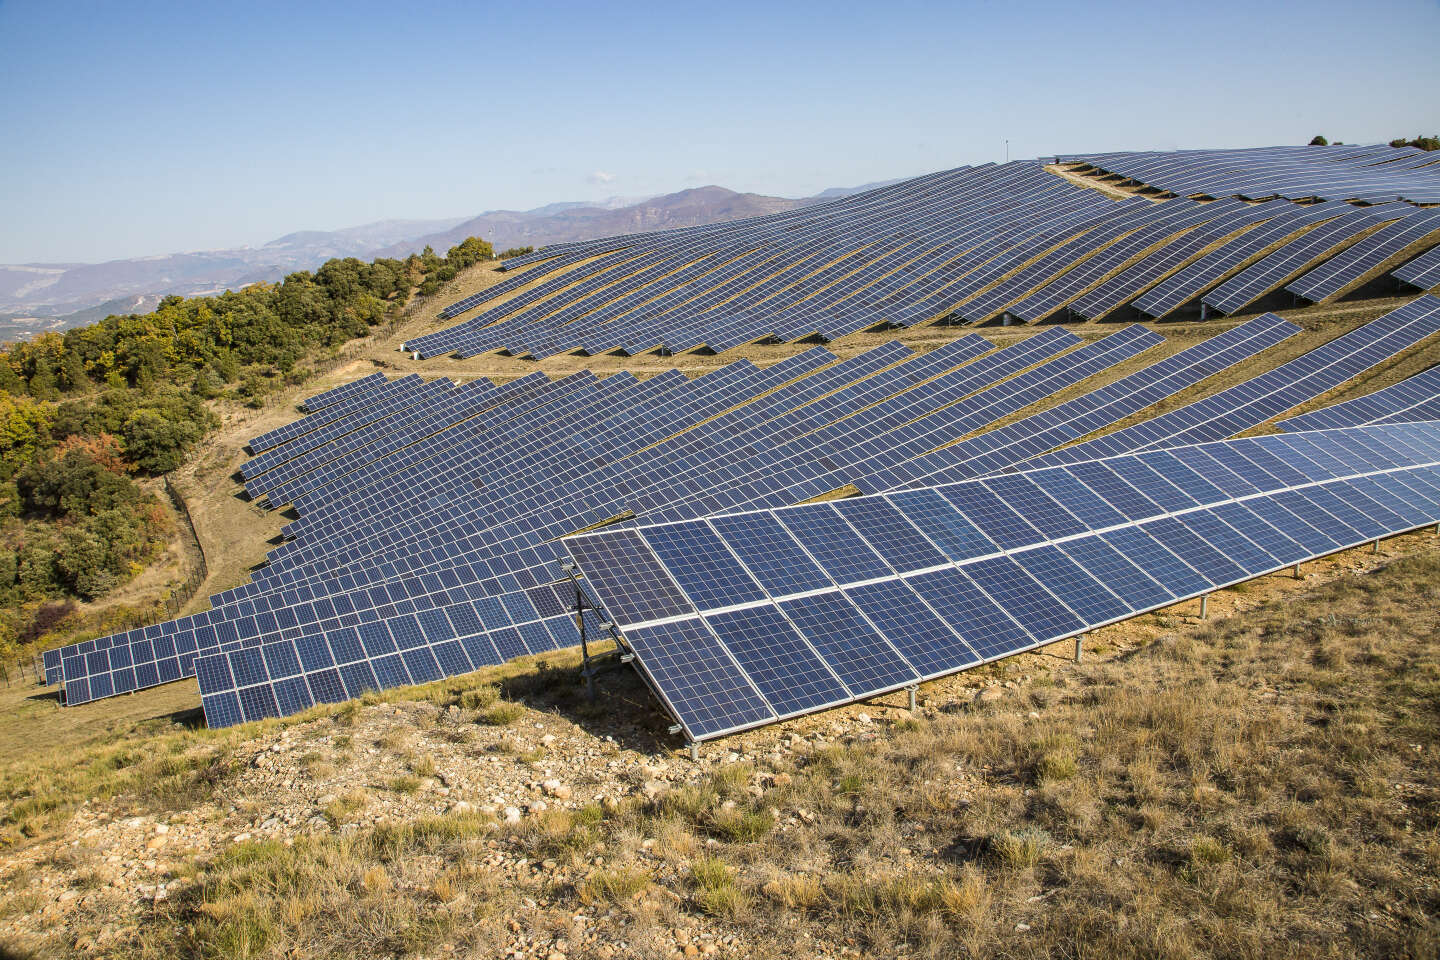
x: 421, y: 528
x: 1413, y: 399
x: 285, y: 677
x: 432, y: 515
x: 1374, y: 173
x: 472, y: 508
x: 1255, y: 401
x: 342, y: 392
x: 966, y: 245
x: 1347, y: 269
x: 750, y: 618
x: 1314, y: 246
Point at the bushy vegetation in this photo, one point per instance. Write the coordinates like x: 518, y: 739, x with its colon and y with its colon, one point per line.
x: 1431, y: 142
x: 88, y: 415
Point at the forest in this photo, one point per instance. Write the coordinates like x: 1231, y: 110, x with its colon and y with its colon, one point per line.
x: 89, y: 418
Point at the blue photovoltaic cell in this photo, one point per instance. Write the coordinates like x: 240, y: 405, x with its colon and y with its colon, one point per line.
x: 1038, y: 508
x: 994, y: 518
x: 699, y: 678
x: 1334, y: 500
x: 1157, y: 561
x: 912, y: 627
x: 1381, y: 490
x: 828, y: 539
x: 698, y: 560
x: 988, y: 630
x: 1272, y: 541
x: 862, y: 658
x: 1034, y: 608
x: 1107, y: 485
x: 1327, y: 523
x: 1195, y: 551
x: 770, y: 553
x: 790, y: 676
x: 649, y: 593
x: 1374, y: 501
x: 887, y: 531
x: 1156, y: 488
x: 1134, y: 586
x: 1085, y: 504
x: 945, y: 525
x: 1310, y: 540
x: 1074, y: 587
x: 1232, y: 543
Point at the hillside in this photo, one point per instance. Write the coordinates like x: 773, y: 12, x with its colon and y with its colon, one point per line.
x: 1253, y: 783
x: 688, y: 208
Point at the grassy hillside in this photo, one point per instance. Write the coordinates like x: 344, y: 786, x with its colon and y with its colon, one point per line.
x: 1258, y: 784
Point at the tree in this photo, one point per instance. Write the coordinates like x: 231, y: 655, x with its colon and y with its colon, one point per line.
x: 156, y: 444
x: 1319, y: 141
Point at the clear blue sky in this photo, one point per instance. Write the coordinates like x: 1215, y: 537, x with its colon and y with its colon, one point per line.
x: 145, y: 128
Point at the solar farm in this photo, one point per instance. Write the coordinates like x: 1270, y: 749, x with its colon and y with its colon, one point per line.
x: 765, y: 541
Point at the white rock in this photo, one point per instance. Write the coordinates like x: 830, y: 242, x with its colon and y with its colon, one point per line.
x: 512, y: 814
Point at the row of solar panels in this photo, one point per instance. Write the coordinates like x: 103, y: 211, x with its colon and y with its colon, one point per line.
x: 750, y: 618
x: 426, y: 535
x: 1374, y: 173
x: 969, y: 244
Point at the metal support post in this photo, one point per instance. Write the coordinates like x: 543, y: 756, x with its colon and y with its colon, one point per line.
x: 912, y: 691
x: 1204, y: 606
x: 694, y: 751
x: 1204, y: 311
x: 1079, y: 648
x: 1377, y: 546
x: 1297, y: 572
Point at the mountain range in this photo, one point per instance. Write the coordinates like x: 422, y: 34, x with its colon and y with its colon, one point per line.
x: 57, y: 296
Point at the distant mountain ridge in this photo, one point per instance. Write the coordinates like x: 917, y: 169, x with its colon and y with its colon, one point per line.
x: 688, y: 208
x: 56, y: 296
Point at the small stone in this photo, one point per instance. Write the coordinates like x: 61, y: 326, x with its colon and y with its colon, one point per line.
x: 1033, y: 715
x: 241, y: 837
x: 989, y: 695
x: 461, y: 806
x: 1022, y: 927
x: 162, y: 828
x: 538, y: 806
x: 862, y: 717
x: 512, y: 814
x: 154, y: 843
